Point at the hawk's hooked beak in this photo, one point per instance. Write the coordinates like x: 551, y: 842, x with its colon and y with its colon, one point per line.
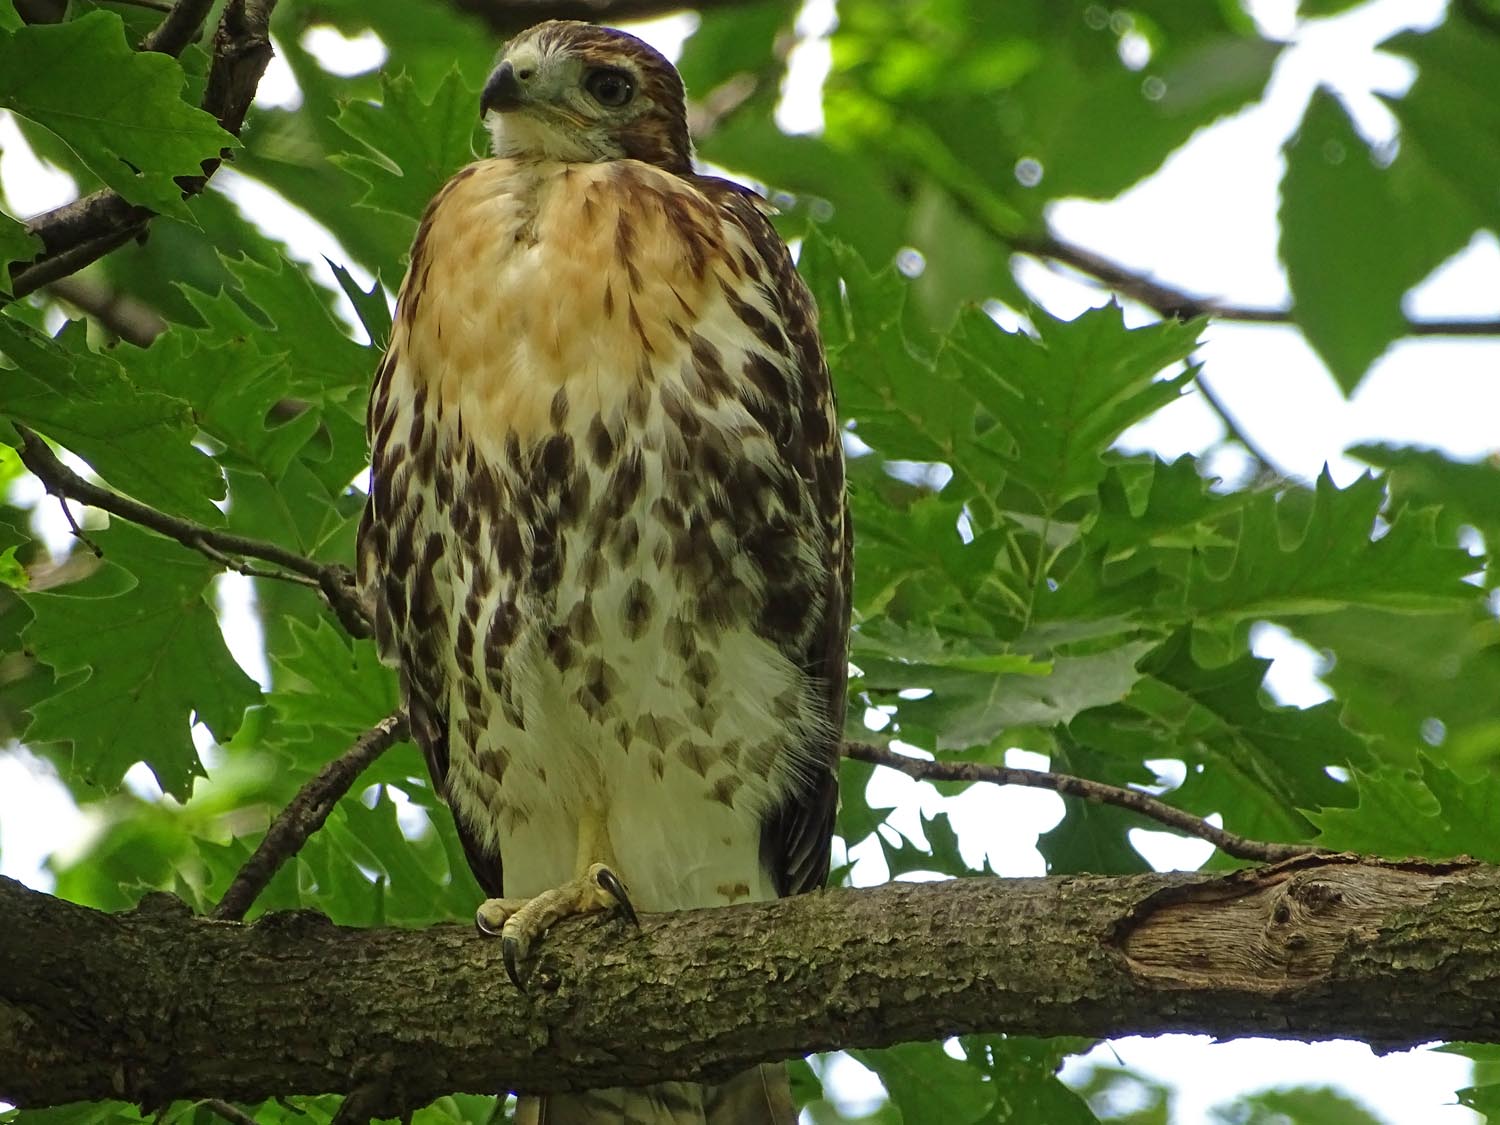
x: 502, y: 92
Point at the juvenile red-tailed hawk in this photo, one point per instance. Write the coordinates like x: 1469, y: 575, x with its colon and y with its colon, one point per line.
x: 606, y: 534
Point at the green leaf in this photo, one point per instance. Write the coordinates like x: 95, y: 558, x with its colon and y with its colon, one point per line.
x: 941, y: 855
x: 329, y: 362
x: 1395, y: 226
x: 836, y: 189
x: 1067, y: 395
x: 127, y: 122
x: 1108, y: 1089
x: 731, y: 41
x: 1408, y: 682
x: 328, y: 681
x: 1023, y: 1071
x: 1431, y: 812
x: 1252, y: 762
x: 1484, y: 1096
x: 1092, y: 838
x: 1451, y: 114
x: 975, y: 707
x: 141, y: 653
x: 411, y: 145
x: 990, y: 404
x: 927, y: 1084
x: 234, y: 392
x: 413, y: 877
x: 371, y: 308
x: 1316, y: 9
x: 1302, y: 1105
x: 12, y: 573
x: 140, y: 441
x: 1467, y: 491
x: 1292, y: 561
x: 16, y: 245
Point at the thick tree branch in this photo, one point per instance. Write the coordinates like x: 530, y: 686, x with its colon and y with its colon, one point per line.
x: 120, y: 1006
x: 1096, y: 791
x: 83, y: 231
x: 1170, y: 301
x: 335, y: 582
x: 304, y: 815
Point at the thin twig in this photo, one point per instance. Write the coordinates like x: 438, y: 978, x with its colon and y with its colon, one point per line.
x: 334, y: 581
x: 78, y: 532
x: 228, y: 1112
x: 1097, y: 791
x: 1170, y: 301
x: 83, y: 231
x: 304, y: 815
x: 1237, y: 432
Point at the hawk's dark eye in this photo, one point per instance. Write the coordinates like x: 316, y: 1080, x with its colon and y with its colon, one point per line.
x: 612, y: 88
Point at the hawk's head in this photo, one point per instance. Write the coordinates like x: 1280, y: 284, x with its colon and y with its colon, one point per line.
x: 573, y: 91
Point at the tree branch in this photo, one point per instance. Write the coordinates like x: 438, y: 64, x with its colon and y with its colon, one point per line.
x: 83, y: 231
x: 1096, y: 791
x: 1170, y: 301
x: 119, y: 1006
x: 179, y: 28
x: 335, y: 582
x: 304, y: 815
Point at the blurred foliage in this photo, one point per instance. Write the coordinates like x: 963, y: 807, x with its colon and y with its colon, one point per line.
x: 1034, y: 585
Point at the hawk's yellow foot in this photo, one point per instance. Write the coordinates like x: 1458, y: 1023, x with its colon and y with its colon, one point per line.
x: 519, y: 922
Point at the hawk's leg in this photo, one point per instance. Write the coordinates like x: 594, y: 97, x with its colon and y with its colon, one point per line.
x: 519, y: 922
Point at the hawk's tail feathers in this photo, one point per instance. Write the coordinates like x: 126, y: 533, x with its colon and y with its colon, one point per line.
x: 758, y: 1096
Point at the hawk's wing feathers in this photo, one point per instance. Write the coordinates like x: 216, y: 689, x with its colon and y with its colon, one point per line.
x: 796, y: 835
x: 403, y: 574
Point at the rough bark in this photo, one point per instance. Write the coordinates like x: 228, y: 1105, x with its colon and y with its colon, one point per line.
x: 155, y: 1004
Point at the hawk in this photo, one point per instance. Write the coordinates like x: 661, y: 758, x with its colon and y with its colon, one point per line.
x: 606, y: 539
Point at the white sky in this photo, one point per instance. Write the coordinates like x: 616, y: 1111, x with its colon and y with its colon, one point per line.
x: 1205, y: 222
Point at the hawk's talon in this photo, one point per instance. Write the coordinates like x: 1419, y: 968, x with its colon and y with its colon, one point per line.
x: 610, y: 882
x: 511, y: 952
x: 519, y: 922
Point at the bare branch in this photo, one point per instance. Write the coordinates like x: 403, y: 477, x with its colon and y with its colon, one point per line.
x: 1096, y: 791
x: 121, y: 1006
x: 83, y: 231
x: 1268, y: 469
x: 1170, y: 301
x: 304, y: 815
x: 335, y: 582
